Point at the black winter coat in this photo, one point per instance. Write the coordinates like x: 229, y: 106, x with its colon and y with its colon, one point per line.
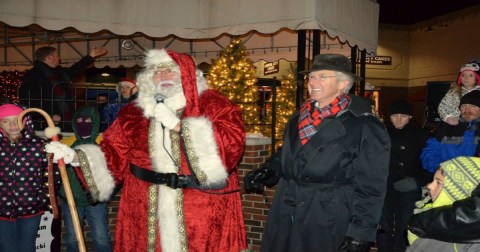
x: 459, y: 222
x: 37, y: 89
x: 331, y: 187
x: 407, y: 145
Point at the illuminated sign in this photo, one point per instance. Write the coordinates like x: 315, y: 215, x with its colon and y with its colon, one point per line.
x: 271, y: 68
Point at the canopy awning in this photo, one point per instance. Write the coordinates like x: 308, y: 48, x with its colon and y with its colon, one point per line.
x: 352, y: 21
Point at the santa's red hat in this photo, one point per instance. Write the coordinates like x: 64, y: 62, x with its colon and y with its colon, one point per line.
x: 127, y: 82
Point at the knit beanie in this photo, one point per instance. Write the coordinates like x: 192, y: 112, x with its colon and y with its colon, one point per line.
x: 471, y: 66
x: 472, y: 98
x: 462, y: 175
x: 9, y: 110
x: 400, y: 107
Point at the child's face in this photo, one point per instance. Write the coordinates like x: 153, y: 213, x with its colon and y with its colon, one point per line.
x: 400, y: 120
x: 126, y: 91
x: 468, y: 79
x: 10, y: 127
x: 435, y: 187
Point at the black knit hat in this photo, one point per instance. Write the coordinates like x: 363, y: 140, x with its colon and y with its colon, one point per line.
x: 472, y: 98
x: 400, y: 107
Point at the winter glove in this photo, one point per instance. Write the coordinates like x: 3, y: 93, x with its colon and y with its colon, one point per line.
x: 266, y: 175
x: 166, y: 116
x: 405, y: 185
x: 254, y: 180
x: 353, y: 245
x: 59, y: 151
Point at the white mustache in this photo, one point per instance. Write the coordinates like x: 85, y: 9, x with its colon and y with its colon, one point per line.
x: 166, y: 82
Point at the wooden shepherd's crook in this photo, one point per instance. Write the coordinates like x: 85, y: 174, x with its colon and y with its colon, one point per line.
x: 63, y: 174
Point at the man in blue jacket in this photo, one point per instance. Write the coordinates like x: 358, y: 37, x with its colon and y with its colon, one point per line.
x: 452, y: 141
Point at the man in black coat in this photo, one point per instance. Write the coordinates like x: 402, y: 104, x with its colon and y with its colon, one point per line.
x: 48, y: 85
x: 332, y: 171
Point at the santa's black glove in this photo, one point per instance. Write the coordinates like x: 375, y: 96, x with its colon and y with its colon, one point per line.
x: 353, y: 245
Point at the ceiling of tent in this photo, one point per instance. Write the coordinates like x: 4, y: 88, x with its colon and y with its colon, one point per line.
x: 202, y: 28
x: 72, y: 45
x: 352, y: 21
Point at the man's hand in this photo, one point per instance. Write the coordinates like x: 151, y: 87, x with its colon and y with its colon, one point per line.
x: 353, y: 245
x: 405, y: 185
x: 59, y: 151
x: 98, y: 51
x: 166, y: 116
x: 452, y: 120
x: 256, y: 179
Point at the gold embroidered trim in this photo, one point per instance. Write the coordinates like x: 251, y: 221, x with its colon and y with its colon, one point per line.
x: 167, y: 64
x: 152, y: 198
x: 187, y: 138
x: 181, y: 221
x: 152, y: 217
x: 175, y: 138
x: 87, y: 174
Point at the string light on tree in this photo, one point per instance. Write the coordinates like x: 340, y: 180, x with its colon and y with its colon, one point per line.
x: 285, y: 104
x: 233, y: 74
x: 9, y: 84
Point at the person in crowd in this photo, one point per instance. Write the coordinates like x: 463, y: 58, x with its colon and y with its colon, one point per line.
x: 333, y: 169
x: 453, y: 183
x: 176, y: 150
x: 128, y: 92
x: 86, y: 125
x: 48, y: 85
x: 23, y: 162
x: 468, y: 80
x: 101, y: 101
x: 451, y: 141
x: 405, y: 178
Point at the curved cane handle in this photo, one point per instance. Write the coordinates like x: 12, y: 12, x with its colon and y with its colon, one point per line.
x: 63, y: 174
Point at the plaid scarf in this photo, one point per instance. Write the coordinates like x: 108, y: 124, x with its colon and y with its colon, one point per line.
x: 311, y: 116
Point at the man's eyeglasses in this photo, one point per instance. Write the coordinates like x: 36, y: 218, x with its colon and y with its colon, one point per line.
x: 320, y: 77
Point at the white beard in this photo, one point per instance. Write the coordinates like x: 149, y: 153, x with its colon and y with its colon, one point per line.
x: 168, y: 91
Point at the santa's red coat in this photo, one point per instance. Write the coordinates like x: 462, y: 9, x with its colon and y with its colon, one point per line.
x: 213, y: 220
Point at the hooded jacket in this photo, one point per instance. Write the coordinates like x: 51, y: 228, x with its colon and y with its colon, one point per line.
x: 80, y: 194
x: 22, y: 180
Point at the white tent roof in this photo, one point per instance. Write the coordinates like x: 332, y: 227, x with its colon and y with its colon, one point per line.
x: 352, y: 21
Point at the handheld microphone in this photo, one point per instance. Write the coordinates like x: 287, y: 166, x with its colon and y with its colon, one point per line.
x: 159, y: 97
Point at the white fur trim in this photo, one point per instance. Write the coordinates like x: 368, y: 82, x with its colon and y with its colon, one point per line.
x: 206, y: 150
x: 158, y: 56
x: 167, y: 197
x: 167, y: 217
x: 50, y: 131
x: 98, y: 167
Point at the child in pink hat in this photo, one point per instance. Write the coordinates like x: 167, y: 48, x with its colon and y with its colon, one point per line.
x: 468, y: 80
x: 8, y: 121
x: 23, y: 162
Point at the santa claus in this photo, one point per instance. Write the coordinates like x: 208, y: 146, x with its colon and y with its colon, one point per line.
x: 176, y: 150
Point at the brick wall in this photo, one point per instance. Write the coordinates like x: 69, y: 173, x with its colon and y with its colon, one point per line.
x: 255, y: 210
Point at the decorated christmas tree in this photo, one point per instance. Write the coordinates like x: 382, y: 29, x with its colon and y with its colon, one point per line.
x: 233, y: 74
